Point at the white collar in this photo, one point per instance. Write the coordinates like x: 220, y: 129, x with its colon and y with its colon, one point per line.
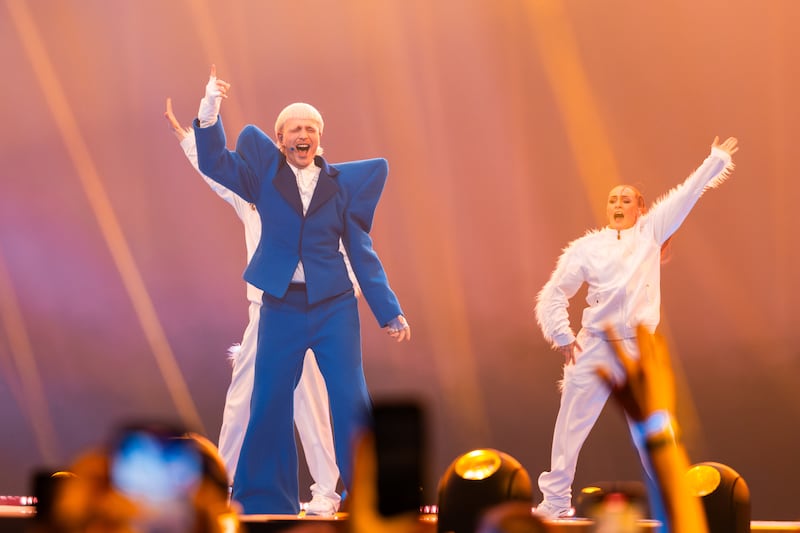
x: 313, y: 168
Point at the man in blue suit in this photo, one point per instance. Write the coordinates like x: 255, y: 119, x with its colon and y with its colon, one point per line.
x: 306, y: 206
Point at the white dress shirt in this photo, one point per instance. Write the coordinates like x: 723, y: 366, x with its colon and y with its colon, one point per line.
x: 306, y: 183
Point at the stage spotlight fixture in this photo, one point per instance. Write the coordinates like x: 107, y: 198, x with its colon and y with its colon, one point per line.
x: 476, y: 481
x: 725, y: 496
x: 591, y: 499
x: 46, y: 485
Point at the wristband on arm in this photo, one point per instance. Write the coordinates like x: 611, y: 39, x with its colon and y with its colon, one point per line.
x: 656, y: 431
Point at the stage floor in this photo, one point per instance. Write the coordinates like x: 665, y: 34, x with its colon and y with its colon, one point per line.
x: 17, y: 519
x: 274, y: 523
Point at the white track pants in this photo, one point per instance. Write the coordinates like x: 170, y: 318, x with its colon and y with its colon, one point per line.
x: 583, y: 397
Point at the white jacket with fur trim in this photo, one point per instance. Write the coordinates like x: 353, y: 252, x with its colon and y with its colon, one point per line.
x: 622, y: 269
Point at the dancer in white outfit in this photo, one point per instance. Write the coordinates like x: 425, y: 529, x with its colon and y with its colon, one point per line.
x: 311, y: 413
x: 621, y: 266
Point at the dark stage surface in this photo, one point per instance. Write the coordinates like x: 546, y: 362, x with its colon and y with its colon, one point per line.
x: 18, y: 520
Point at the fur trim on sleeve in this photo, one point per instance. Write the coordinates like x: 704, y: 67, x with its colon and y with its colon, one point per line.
x: 552, y: 301
x: 233, y: 353
x: 726, y: 172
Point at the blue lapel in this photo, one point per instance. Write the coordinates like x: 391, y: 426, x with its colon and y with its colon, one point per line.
x: 285, y: 183
x: 326, y: 185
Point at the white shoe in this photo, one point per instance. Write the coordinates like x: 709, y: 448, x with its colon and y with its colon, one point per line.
x: 551, y: 510
x: 321, y: 506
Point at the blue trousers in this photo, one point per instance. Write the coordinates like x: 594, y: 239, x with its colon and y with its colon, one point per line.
x: 266, y: 480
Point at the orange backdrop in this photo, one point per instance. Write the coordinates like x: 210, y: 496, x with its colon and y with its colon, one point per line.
x: 505, y: 124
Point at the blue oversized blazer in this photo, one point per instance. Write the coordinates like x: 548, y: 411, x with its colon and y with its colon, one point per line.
x: 343, y: 206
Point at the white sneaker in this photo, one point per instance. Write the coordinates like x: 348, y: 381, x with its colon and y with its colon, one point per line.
x: 550, y: 510
x: 321, y: 506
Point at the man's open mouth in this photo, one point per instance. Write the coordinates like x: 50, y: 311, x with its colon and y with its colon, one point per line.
x: 303, y: 147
